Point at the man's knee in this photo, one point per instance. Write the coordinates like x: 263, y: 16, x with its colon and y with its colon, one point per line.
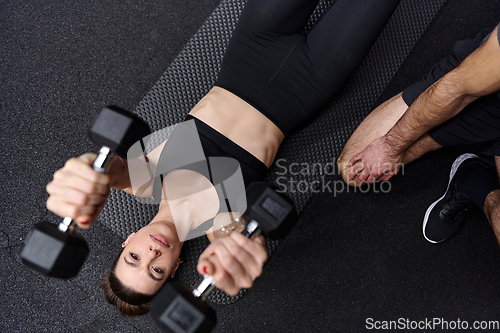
x: 492, y: 211
x: 492, y: 206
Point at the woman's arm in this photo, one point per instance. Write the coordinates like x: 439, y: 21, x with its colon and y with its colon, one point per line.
x: 223, y: 224
x: 79, y: 192
x: 142, y: 169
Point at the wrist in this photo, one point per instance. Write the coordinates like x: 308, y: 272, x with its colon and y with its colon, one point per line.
x: 117, y: 173
x: 395, y: 144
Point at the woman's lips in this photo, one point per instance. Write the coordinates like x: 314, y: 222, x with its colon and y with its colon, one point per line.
x: 160, y: 240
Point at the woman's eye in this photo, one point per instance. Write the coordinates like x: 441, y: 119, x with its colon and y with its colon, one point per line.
x: 134, y: 256
x: 157, y: 270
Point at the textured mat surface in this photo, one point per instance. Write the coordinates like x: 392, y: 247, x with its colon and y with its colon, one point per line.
x: 193, y: 73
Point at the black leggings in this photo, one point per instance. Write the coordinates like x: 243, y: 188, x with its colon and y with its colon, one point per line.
x: 288, y: 75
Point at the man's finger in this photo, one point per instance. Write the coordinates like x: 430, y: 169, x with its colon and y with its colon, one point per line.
x: 363, y: 176
x: 358, y: 168
x: 353, y: 160
x: 372, y: 178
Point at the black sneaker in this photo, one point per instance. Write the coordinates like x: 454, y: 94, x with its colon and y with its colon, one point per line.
x: 444, y: 217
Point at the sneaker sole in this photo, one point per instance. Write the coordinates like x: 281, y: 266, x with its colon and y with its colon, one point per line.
x: 460, y: 159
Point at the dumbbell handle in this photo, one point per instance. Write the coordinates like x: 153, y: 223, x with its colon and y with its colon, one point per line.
x: 251, y: 229
x: 100, y: 165
x: 208, y: 284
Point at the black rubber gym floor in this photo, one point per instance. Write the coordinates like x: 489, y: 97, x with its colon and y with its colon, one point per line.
x: 352, y: 256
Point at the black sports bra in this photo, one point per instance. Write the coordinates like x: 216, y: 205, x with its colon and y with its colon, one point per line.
x: 217, y: 158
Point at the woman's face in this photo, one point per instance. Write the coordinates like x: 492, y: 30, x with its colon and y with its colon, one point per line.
x: 149, y: 257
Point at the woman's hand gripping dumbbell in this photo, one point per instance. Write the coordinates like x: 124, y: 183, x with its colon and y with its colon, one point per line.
x: 177, y: 308
x: 80, y: 193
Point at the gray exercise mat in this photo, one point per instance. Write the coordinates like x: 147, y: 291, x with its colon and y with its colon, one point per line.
x: 193, y: 73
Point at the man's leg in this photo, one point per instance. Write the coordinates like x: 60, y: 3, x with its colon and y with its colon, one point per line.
x: 492, y: 206
x: 473, y: 181
x: 424, y: 145
x: 375, y: 125
x: 381, y: 120
x: 492, y: 211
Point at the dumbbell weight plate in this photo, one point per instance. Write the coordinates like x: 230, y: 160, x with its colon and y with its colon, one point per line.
x: 44, y: 245
x: 176, y: 309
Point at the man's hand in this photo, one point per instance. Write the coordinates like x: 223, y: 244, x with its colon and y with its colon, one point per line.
x: 234, y: 262
x: 78, y: 191
x: 379, y: 161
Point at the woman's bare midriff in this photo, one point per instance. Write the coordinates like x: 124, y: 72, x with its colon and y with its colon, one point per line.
x: 240, y: 122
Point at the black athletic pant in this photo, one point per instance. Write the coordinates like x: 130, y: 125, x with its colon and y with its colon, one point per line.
x: 288, y: 75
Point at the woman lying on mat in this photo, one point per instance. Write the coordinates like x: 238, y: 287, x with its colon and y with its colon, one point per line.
x: 273, y: 79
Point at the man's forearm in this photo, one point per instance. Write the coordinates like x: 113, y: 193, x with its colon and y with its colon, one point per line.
x: 440, y: 102
x: 478, y: 75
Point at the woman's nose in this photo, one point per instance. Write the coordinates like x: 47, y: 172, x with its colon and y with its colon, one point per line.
x: 155, y: 251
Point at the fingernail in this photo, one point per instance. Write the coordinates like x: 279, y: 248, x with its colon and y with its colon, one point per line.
x: 84, y: 222
x: 212, y: 254
x: 205, y: 270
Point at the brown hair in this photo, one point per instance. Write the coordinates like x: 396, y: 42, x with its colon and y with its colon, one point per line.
x: 128, y: 301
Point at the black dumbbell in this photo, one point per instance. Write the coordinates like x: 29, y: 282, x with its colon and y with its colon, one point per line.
x: 177, y: 308
x: 57, y: 250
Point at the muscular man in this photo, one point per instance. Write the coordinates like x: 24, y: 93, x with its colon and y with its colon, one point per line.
x: 456, y: 103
